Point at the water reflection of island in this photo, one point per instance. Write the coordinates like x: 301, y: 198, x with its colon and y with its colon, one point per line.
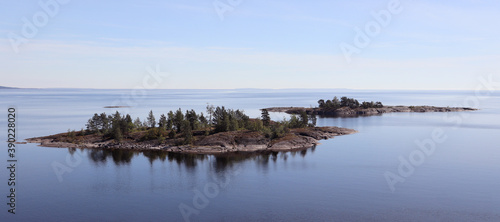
x: 220, y: 161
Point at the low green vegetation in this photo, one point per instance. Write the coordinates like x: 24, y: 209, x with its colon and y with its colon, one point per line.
x: 186, y: 126
x: 335, y: 103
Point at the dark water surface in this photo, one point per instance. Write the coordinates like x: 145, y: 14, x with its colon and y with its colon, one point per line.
x: 343, y: 179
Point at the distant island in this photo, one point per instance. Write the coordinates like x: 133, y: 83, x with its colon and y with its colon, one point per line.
x: 222, y: 130
x: 5, y: 87
x: 349, y: 107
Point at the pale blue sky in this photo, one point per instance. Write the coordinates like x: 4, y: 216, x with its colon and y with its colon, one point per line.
x: 259, y: 44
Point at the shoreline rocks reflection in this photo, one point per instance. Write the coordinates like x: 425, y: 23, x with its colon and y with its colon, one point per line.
x: 220, y: 161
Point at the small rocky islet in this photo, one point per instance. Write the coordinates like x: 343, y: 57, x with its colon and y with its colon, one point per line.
x: 352, y: 112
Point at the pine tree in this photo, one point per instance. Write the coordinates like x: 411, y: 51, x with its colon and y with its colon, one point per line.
x: 162, y: 123
x: 221, y: 119
x: 151, y: 119
x: 170, y: 120
x: 116, y: 129
x: 314, y: 119
x: 203, y: 121
x: 128, y: 126
x: 178, y: 120
x: 92, y: 124
x: 210, y: 112
x: 105, y: 123
x: 188, y: 133
x: 265, y: 117
x: 137, y: 123
x: 193, y: 119
x: 336, y: 103
x: 304, y: 119
x: 321, y: 103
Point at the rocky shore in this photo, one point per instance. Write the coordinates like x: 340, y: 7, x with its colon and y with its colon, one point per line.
x: 235, y: 141
x: 346, y: 111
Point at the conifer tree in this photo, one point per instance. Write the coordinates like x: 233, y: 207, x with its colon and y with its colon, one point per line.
x: 265, y: 117
x: 151, y: 119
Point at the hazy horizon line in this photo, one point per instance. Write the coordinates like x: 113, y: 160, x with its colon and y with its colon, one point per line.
x: 12, y: 87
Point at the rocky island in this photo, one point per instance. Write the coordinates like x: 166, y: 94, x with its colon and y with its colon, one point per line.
x: 224, y: 142
x: 222, y: 130
x: 348, y: 107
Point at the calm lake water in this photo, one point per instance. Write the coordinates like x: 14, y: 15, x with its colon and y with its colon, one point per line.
x: 343, y: 179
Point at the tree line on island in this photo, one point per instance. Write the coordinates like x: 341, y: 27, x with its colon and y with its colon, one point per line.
x: 335, y: 103
x: 184, y: 126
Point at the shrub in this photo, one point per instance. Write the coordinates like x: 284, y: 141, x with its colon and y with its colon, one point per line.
x: 152, y: 134
x: 172, y: 134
